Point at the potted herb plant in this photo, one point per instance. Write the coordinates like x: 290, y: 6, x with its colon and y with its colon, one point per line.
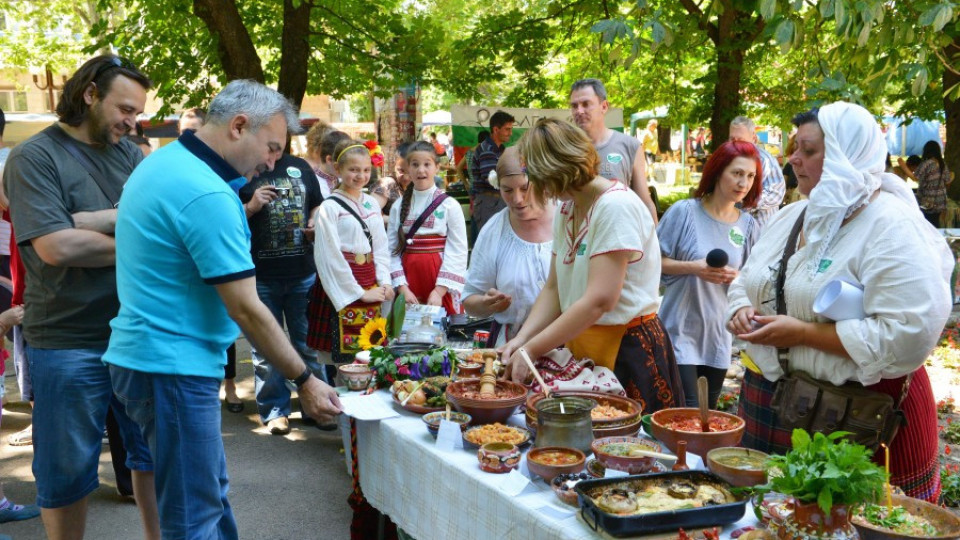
x: 824, y: 475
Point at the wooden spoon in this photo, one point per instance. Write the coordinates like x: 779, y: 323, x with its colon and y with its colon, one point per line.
x: 704, y: 406
x: 536, y: 374
x: 651, y: 453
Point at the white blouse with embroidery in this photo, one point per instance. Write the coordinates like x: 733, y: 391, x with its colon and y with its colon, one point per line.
x: 339, y: 231
x: 905, y: 296
x: 447, y: 220
x: 508, y: 263
x: 617, y: 221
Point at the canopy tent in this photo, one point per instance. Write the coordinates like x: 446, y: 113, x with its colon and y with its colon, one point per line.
x: 905, y: 140
x: 437, y: 118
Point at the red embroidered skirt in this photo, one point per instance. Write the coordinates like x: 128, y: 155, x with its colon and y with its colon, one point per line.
x: 326, y: 331
x: 421, y: 265
x: 913, y: 453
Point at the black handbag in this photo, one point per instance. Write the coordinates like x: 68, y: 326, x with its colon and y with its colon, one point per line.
x: 801, y: 401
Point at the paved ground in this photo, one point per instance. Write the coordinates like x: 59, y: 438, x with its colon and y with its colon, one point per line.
x: 281, y: 488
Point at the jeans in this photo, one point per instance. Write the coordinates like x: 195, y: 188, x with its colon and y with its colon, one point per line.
x: 286, y: 299
x: 72, y: 392
x: 179, y: 417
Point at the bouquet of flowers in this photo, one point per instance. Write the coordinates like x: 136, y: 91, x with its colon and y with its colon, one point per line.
x: 389, y: 367
x: 415, y: 366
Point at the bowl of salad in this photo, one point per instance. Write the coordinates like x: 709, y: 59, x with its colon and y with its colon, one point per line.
x: 909, y: 518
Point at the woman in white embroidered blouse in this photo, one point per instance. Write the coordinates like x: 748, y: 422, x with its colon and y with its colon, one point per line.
x: 428, y: 265
x: 351, y: 257
x: 601, y: 295
x: 860, y: 225
x: 511, y: 258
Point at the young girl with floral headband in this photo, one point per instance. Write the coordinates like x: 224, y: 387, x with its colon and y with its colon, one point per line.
x: 428, y: 237
x: 351, y: 255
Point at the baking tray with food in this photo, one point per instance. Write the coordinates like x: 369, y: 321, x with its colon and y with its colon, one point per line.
x: 651, y: 503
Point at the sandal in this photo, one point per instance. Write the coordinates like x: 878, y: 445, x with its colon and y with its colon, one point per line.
x: 234, y: 407
x: 23, y: 437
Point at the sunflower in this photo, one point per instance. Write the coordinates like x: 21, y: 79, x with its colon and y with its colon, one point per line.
x: 373, y: 334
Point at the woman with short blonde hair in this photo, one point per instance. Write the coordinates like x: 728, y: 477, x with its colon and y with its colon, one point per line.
x: 602, y: 287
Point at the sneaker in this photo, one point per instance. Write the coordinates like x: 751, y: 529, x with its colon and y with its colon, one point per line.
x: 23, y: 437
x: 19, y: 513
x: 279, y: 425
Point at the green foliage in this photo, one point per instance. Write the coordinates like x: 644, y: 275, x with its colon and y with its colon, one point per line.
x: 51, y: 33
x: 825, y: 469
x: 397, y: 312
x: 951, y: 433
x: 950, y: 485
x: 390, y: 367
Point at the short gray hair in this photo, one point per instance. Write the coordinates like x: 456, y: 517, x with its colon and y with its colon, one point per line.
x: 596, y: 84
x: 743, y: 121
x: 258, y: 102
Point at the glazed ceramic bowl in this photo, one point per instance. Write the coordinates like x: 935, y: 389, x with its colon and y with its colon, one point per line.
x: 525, y: 437
x: 742, y: 467
x: 498, y: 457
x: 563, y: 485
x: 698, y: 443
x: 356, y: 376
x: 469, y: 370
x: 432, y: 420
x: 631, y: 409
x: 629, y: 464
x: 626, y: 425
x: 486, y: 411
x: 647, y: 421
x: 548, y: 471
x: 946, y: 522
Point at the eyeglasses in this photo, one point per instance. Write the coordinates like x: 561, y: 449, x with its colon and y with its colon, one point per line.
x: 113, y: 62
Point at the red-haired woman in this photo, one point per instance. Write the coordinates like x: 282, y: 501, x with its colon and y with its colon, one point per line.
x: 695, y: 297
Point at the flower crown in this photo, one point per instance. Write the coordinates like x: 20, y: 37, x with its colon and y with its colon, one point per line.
x: 376, y: 153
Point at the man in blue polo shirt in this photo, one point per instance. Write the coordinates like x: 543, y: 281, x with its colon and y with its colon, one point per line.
x: 183, y: 272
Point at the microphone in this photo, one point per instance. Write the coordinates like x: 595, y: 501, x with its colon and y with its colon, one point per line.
x: 717, y: 258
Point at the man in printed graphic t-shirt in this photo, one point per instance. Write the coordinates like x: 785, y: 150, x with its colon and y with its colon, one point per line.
x: 280, y: 206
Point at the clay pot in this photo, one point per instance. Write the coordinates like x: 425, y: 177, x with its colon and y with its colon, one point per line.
x: 497, y: 457
x: 807, y: 520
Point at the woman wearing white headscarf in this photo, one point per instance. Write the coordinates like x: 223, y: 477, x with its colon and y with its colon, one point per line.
x: 861, y: 225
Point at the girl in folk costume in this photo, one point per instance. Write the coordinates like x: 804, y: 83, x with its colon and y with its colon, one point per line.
x: 428, y: 237
x: 351, y: 256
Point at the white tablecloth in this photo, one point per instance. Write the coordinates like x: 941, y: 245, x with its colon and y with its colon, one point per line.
x: 443, y: 495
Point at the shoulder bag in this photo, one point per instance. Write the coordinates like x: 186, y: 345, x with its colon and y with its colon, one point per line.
x: 434, y: 204
x: 801, y: 401
x: 109, y: 190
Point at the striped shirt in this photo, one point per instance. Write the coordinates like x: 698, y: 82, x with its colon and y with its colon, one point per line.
x: 485, y: 159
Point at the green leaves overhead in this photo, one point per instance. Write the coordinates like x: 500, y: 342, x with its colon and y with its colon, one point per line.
x: 612, y: 30
x: 937, y: 16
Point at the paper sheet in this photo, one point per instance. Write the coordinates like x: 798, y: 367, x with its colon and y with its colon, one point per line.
x: 366, y: 407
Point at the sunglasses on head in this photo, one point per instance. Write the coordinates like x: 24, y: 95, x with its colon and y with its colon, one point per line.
x: 113, y: 62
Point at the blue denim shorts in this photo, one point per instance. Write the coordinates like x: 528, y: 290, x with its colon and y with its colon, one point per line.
x: 71, y: 390
x: 179, y: 417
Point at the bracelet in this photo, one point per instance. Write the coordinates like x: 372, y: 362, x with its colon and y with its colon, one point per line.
x: 302, y: 378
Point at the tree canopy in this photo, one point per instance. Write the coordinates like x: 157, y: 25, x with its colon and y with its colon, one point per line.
x: 708, y: 60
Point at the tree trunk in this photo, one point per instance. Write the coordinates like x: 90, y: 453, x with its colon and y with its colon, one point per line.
x: 735, y: 33
x: 726, y: 94
x: 951, y: 108
x: 294, y: 51
x: 237, y: 54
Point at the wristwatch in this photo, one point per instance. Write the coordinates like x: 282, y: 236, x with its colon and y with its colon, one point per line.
x: 302, y: 378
